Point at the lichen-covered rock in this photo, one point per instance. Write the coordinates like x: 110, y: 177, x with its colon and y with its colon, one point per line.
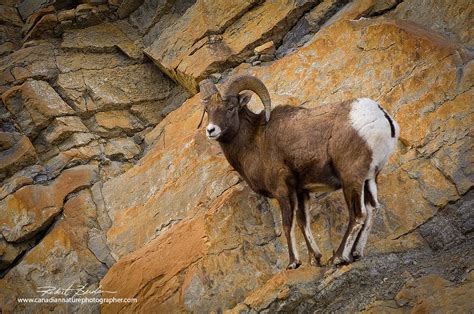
x: 9, y: 15
x: 6, y: 48
x: 194, y: 55
x: 231, y: 246
x: 45, y: 27
x: 397, y: 279
x: 32, y: 208
x: 412, y: 72
x: 432, y: 293
x: 16, y: 152
x: 34, y: 18
x: 74, y: 61
x: 66, y: 159
x: 116, y: 88
x: 103, y: 182
x: 33, y: 105
x: 121, y: 148
x: 10, y: 29
x: 161, y: 173
x: 64, y: 258
x: 10, y: 251
x: 152, y: 17
x: 77, y: 139
x: 28, y: 7
x: 128, y: 6
x: 61, y: 128
x: 102, y: 37
x: 19, y: 179
x: 450, y: 18
x: 194, y: 26
x: 308, y: 25
x: 123, y: 120
x: 30, y: 62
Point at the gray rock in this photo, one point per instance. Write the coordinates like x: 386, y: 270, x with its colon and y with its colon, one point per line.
x: 267, y: 57
x: 97, y: 243
x: 308, y: 25
x: 439, y: 233
x: 34, y: 105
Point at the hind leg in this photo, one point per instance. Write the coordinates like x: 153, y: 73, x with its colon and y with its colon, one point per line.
x: 304, y: 222
x: 354, y: 196
x: 371, y: 204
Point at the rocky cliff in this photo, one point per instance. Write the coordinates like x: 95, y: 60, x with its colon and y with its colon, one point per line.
x: 107, y: 183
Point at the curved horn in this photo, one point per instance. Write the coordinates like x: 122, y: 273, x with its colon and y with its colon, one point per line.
x: 249, y: 82
x: 207, y: 89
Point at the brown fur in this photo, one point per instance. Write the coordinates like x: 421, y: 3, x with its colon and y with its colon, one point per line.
x: 299, y: 147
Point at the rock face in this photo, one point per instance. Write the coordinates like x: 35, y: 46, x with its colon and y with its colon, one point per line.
x: 33, y: 105
x: 29, y: 209
x: 235, y: 29
x: 408, y: 83
x: 17, y: 152
x: 106, y: 183
x: 77, y: 100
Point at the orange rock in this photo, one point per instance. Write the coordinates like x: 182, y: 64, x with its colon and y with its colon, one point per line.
x: 395, y: 62
x: 9, y: 15
x: 268, y: 48
x: 433, y: 293
x: 30, y: 209
x: 449, y: 18
x: 193, y: 260
x: 61, y: 128
x: 33, y: 105
x: 188, y: 234
x: 121, y: 148
x: 169, y: 256
x: 118, y: 119
x: 16, y: 153
x: 115, y: 88
x: 101, y: 37
x: 10, y: 251
x: 239, y: 35
x: 64, y: 258
x: 36, y: 61
x: 46, y: 26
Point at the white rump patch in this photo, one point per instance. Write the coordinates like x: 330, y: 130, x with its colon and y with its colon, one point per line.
x: 368, y: 119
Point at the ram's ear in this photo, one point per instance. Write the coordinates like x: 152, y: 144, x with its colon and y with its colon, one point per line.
x: 244, y: 98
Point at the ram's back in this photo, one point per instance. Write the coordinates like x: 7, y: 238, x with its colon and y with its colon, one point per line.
x: 298, y: 139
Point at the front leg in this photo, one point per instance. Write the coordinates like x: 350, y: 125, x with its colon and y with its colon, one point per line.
x: 304, y: 221
x: 287, y: 206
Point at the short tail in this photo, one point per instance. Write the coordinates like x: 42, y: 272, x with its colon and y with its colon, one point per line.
x: 393, y: 124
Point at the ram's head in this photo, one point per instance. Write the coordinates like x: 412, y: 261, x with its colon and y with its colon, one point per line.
x: 223, y: 108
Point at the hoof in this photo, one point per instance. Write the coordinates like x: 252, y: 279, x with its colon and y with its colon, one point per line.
x: 294, y: 265
x: 315, y: 261
x: 339, y: 261
x: 356, y: 255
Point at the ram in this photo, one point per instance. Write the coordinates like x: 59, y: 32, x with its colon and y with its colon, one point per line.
x: 288, y: 152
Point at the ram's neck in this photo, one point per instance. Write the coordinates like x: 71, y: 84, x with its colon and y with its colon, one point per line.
x: 243, y: 148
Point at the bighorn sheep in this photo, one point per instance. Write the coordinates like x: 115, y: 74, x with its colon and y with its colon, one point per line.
x: 300, y: 150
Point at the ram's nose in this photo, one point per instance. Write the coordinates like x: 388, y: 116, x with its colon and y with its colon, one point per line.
x: 213, y: 131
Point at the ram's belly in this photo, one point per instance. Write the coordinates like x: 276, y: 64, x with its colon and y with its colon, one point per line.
x: 319, y: 187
